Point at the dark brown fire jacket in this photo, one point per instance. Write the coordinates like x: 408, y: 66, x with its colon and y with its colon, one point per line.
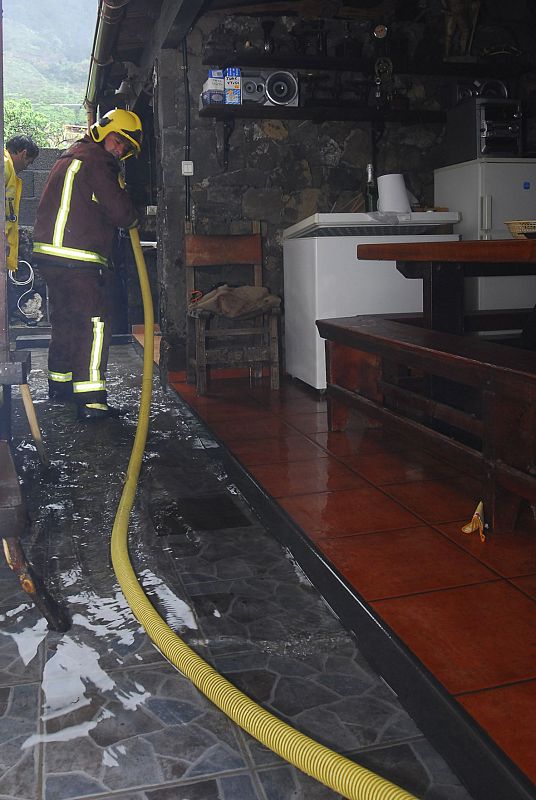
x: 81, y: 207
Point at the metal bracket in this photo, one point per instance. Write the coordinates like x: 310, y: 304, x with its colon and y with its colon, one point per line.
x: 228, y: 128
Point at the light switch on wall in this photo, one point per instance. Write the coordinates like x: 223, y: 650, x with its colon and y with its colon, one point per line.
x: 187, y: 167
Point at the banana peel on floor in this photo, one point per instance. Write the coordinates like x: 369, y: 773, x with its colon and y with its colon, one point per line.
x: 477, y: 522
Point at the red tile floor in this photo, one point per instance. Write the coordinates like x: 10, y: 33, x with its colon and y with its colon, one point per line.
x: 388, y: 517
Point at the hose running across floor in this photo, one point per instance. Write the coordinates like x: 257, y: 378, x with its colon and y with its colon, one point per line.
x: 335, y: 771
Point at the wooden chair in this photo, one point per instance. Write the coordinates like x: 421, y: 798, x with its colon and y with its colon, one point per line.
x: 215, y: 341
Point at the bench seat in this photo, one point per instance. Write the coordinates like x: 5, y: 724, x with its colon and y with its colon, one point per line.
x: 469, y: 400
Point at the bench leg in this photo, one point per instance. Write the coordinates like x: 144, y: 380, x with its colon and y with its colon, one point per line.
x: 353, y: 370
x: 337, y: 415
x: 509, y: 438
x: 501, y: 508
x: 337, y: 411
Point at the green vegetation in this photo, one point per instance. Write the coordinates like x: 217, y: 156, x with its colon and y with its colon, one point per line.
x: 21, y: 117
x: 47, y: 46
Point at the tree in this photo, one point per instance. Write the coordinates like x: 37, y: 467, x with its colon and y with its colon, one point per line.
x: 20, y: 117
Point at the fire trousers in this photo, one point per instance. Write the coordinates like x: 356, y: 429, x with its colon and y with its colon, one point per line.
x: 80, y: 299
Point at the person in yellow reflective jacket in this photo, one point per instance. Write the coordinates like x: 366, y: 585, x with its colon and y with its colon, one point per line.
x: 19, y: 153
x: 81, y: 207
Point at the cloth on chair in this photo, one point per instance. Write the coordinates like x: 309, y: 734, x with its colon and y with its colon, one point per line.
x: 236, y: 301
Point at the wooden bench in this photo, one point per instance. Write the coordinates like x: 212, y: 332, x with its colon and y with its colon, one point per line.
x: 472, y: 402
x: 12, y: 509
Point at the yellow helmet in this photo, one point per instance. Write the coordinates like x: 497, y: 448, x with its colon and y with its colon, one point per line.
x: 126, y: 123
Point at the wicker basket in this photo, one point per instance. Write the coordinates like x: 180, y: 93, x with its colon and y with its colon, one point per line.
x: 519, y: 228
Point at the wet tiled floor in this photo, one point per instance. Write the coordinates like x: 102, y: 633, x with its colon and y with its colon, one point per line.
x: 388, y: 517
x: 97, y: 712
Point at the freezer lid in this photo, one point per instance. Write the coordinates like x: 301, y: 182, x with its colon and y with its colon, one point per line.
x: 373, y: 224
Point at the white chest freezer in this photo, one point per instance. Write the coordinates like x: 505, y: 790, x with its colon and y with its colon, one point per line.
x: 323, y: 277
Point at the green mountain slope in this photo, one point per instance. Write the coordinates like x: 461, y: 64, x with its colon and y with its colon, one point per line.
x: 47, y: 46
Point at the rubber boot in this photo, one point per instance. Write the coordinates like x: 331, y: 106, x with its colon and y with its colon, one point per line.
x: 95, y: 411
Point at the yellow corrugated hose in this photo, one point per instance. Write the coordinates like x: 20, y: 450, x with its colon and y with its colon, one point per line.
x: 339, y: 773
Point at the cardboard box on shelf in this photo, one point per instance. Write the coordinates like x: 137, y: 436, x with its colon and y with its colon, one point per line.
x: 213, y: 85
x: 232, y: 86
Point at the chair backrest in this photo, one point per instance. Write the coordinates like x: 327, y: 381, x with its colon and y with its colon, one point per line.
x: 219, y: 251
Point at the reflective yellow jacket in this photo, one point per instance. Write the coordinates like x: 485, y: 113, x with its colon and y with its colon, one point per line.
x: 13, y: 192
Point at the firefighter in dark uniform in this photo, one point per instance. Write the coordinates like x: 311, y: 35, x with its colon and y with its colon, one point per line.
x: 81, y: 207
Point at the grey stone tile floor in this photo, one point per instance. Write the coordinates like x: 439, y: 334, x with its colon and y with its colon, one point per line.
x: 97, y: 712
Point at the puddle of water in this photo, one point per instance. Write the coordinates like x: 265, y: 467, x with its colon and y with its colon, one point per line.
x: 178, y: 613
x: 204, y: 513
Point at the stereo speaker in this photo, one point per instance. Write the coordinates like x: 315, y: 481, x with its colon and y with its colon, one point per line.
x: 491, y: 89
x: 464, y: 91
x: 278, y: 88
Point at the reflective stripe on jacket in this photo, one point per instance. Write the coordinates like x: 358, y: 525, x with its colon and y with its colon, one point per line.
x: 13, y: 186
x: 81, y: 206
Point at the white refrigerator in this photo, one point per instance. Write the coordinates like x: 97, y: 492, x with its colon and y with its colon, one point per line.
x: 323, y: 278
x: 488, y: 192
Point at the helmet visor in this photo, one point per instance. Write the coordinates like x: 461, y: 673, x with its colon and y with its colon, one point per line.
x: 133, y: 139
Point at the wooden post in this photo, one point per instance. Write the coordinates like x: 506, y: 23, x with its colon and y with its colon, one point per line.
x: 5, y: 399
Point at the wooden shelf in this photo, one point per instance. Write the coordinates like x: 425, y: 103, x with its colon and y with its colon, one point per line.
x: 321, y: 113
x: 290, y: 61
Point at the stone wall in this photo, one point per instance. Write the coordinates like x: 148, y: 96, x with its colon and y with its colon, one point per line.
x: 33, y: 182
x: 279, y: 171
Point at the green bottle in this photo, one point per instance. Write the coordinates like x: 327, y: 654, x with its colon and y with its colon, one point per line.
x: 371, y: 190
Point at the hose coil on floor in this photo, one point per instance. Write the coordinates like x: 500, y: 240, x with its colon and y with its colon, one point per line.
x: 335, y: 771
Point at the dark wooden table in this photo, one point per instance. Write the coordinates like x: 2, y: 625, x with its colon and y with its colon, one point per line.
x: 443, y: 267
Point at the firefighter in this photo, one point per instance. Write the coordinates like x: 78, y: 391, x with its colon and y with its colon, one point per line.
x: 81, y: 207
x: 19, y: 153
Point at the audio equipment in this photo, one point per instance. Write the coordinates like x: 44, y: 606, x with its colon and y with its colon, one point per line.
x: 253, y: 88
x: 491, y: 89
x: 278, y: 88
x: 464, y: 91
x: 482, y: 127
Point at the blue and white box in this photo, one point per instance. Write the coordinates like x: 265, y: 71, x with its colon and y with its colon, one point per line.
x: 232, y: 86
x: 212, y: 92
